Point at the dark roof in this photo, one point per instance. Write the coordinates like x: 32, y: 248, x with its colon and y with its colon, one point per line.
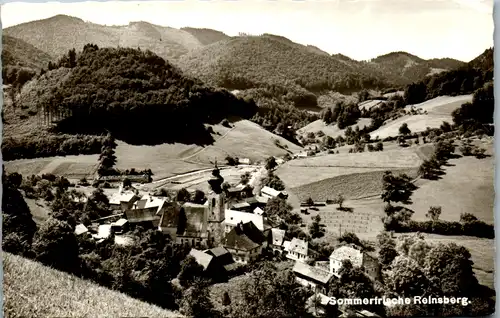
x: 218, y: 251
x: 141, y: 215
x: 313, y: 273
x: 244, y: 237
x: 195, y: 219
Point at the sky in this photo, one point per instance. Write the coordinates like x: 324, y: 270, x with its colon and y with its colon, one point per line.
x: 360, y: 29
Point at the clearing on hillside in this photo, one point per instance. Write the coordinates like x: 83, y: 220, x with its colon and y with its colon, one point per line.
x: 34, y: 290
x: 439, y: 110
x: 244, y: 139
x: 331, y: 130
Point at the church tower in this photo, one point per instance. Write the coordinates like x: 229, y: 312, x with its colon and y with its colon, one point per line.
x: 216, y: 200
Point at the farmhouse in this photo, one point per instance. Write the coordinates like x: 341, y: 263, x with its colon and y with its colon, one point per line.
x: 222, y: 258
x: 119, y: 226
x: 297, y: 250
x: 241, y: 206
x: 271, y: 193
x: 245, y: 242
x: 357, y: 258
x: 123, y: 200
x: 257, y: 201
x: 276, y: 240
x: 244, y: 161
x: 313, y: 277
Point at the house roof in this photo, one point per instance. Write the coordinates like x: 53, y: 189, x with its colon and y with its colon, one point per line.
x: 270, y: 191
x: 234, y: 217
x: 241, y: 205
x: 141, y: 215
x: 217, y: 251
x: 277, y: 236
x: 196, y: 220
x: 201, y: 257
x: 80, y: 229
x: 258, y: 211
x: 150, y: 202
x: 350, y: 253
x: 313, y: 273
x: 125, y: 196
x: 244, y: 237
x: 120, y: 222
x: 104, y: 231
x: 298, y: 246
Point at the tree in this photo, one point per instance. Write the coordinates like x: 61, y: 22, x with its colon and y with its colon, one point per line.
x: 404, y: 130
x: 467, y: 217
x: 199, y: 197
x: 196, y: 302
x: 127, y: 183
x: 397, y: 188
x: 271, y: 163
x: 444, y: 150
x: 434, y: 213
x: 226, y: 300
x: 190, y: 271
x: 55, y: 245
x: 231, y: 161
x: 277, y: 208
x: 310, y: 201
x: 183, y: 195
x: 379, y: 146
x: 350, y: 238
x: 273, y: 181
x: 245, y: 178
x: 406, y: 278
x: 316, y: 231
x: 386, y: 254
x: 339, y: 199
x: 269, y: 292
x: 429, y: 169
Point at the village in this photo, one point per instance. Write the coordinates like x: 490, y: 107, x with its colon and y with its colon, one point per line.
x: 228, y: 230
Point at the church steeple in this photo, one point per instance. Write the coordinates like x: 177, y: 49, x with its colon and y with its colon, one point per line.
x: 216, y: 180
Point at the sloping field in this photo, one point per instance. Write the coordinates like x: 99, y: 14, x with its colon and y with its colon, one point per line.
x: 244, y: 140
x: 467, y: 186
x: 439, y: 109
x: 34, y: 290
x: 351, y: 186
x: 331, y: 130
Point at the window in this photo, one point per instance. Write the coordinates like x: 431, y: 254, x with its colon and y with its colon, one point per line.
x: 213, y: 203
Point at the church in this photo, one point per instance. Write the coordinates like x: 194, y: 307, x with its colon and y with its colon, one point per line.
x: 195, y: 224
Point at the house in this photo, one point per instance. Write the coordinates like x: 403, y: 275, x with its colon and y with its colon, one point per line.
x: 313, y: 277
x: 259, y: 211
x: 203, y: 259
x: 297, y: 250
x: 257, y: 201
x: 244, y: 161
x: 245, y: 242
x: 233, y: 218
x: 277, y: 238
x: 271, y: 193
x: 241, y: 206
x: 222, y: 258
x: 146, y: 210
x: 357, y: 258
x: 81, y: 229
x: 103, y: 232
x: 123, y: 199
x: 119, y: 226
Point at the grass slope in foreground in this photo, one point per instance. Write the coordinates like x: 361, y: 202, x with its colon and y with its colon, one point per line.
x: 33, y: 290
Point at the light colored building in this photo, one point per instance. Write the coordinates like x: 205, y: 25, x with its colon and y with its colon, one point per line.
x: 244, y: 161
x: 312, y: 277
x: 298, y: 250
x: 357, y: 257
x: 276, y: 240
x: 103, y: 232
x: 272, y: 193
x: 81, y: 229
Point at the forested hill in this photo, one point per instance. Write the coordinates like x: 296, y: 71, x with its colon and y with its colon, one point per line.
x: 60, y: 33
x: 252, y: 61
x: 135, y: 94
x: 463, y: 80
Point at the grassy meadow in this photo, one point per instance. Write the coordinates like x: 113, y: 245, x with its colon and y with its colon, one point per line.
x: 34, y: 290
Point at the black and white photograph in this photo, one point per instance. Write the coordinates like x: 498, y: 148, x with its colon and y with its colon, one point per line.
x: 248, y: 158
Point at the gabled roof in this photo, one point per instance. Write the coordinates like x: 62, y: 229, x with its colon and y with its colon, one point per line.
x: 201, y: 257
x: 217, y: 251
x: 120, y: 222
x: 234, y: 217
x: 313, y: 273
x: 150, y: 202
x: 277, y: 236
x: 241, y: 205
x: 350, y: 253
x: 141, y: 215
x: 258, y: 211
x: 298, y: 246
x: 125, y: 196
x: 270, y: 191
x: 80, y: 229
x: 244, y: 237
